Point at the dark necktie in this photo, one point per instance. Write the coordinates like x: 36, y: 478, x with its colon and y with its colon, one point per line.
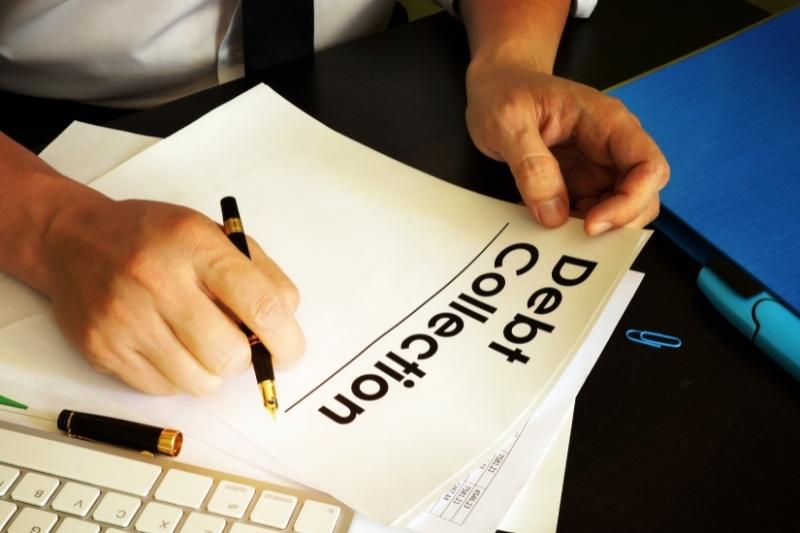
x: 276, y: 31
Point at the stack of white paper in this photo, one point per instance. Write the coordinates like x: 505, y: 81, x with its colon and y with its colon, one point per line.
x: 440, y: 323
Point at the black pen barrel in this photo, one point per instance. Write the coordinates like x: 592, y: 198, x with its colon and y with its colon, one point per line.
x: 240, y: 241
x: 229, y: 208
x: 262, y: 362
x: 117, y: 432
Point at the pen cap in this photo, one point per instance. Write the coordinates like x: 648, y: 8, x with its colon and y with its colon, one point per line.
x: 120, y: 432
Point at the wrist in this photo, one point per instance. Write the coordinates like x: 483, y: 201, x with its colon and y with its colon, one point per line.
x: 511, y: 53
x: 522, y: 32
x: 75, y: 216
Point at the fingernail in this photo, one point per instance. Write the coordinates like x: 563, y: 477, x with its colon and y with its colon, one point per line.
x: 599, y: 227
x: 552, y: 212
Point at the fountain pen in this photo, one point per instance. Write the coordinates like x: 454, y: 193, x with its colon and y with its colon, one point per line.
x: 259, y: 354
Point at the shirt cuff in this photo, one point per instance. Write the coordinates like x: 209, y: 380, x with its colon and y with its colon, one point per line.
x: 581, y: 9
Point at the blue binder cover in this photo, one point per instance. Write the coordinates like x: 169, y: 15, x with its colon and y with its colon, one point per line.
x: 728, y: 120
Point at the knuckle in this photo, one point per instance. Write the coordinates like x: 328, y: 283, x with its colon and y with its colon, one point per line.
x: 610, y: 114
x: 505, y: 109
x: 616, y: 105
x: 513, y: 110
x: 541, y: 171
x: 186, y: 223
x: 91, y: 341
x: 159, y: 387
x: 665, y: 172
x: 202, y: 386
x: 290, y: 295
x: 142, y: 267
x: 100, y: 363
x: 234, y: 360
x: 267, y: 310
x: 541, y: 165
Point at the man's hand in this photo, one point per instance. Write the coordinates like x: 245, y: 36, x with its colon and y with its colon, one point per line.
x: 145, y: 290
x: 569, y: 147
x: 142, y: 288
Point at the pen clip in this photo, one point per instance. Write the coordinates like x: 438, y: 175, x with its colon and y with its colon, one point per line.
x: 653, y: 339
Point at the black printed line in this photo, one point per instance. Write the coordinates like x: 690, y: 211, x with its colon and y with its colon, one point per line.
x: 477, y: 303
x: 467, y: 311
x: 382, y: 335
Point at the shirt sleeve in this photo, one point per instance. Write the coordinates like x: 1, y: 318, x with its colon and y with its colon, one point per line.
x: 580, y: 8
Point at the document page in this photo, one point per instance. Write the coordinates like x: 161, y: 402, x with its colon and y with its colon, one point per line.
x: 478, y: 502
x: 437, y: 320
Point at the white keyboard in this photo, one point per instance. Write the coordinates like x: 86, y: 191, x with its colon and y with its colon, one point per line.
x: 53, y: 484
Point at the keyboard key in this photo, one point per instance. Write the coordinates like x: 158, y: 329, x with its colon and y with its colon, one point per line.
x: 203, y: 523
x: 183, y: 488
x: 77, y: 463
x: 7, y: 477
x: 73, y: 525
x: 316, y: 517
x: 116, y: 509
x: 34, y: 489
x: 75, y: 499
x: 240, y: 527
x: 231, y: 499
x: 6, y: 511
x: 274, y: 509
x: 31, y: 520
x: 56, y: 486
x: 158, y: 518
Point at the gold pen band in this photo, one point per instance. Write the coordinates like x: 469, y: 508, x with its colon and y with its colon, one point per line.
x: 170, y: 442
x: 233, y: 225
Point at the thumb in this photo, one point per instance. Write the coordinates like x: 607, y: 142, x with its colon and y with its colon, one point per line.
x: 538, y: 176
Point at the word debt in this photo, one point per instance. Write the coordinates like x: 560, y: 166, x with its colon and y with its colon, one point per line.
x: 404, y: 364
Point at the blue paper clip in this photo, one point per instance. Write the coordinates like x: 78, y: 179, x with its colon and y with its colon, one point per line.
x: 653, y: 339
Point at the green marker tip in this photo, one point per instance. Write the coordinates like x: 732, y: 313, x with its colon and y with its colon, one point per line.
x: 12, y: 403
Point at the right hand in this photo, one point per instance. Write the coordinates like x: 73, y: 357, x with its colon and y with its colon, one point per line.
x: 146, y: 291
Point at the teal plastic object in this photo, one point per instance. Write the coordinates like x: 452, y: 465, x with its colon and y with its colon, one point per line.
x: 766, y: 322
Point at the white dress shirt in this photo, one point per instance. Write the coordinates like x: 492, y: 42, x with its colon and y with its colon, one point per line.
x: 140, y: 53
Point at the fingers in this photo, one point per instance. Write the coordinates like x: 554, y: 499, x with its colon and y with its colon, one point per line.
x: 634, y: 201
x: 116, y: 359
x: 613, y: 136
x: 257, y: 301
x: 286, y: 288
x: 207, y: 333
x: 162, y: 349
x: 135, y: 370
x: 537, y: 175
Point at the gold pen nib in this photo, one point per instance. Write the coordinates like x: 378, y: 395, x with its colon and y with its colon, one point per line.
x: 270, y: 397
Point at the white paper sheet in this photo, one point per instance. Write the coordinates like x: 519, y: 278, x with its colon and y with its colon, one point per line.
x: 345, y: 201
x: 479, y: 502
x: 534, y: 509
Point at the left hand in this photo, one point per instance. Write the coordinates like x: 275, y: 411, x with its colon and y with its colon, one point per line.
x: 571, y: 148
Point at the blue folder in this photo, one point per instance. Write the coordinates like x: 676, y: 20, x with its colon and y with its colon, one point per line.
x: 728, y: 120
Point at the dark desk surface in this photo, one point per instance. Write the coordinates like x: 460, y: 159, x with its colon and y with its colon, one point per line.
x: 702, y: 438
